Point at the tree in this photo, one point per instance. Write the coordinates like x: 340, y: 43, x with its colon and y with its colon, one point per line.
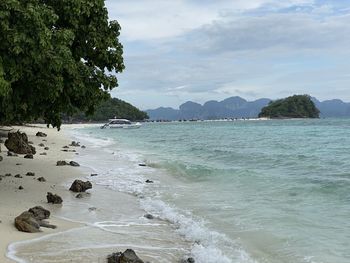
x: 111, y: 108
x: 56, y: 57
x: 297, y: 106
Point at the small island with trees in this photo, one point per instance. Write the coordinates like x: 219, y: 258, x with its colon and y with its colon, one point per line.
x: 297, y: 106
x: 110, y: 108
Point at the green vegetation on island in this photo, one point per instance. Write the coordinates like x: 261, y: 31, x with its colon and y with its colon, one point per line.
x: 111, y: 108
x: 297, y: 106
x: 56, y: 58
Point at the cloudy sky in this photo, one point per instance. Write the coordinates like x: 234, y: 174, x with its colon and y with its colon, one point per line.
x: 199, y: 50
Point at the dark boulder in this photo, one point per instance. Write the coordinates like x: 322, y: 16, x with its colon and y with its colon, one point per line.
x: 74, y: 144
x: 26, y: 222
x: 188, y: 260
x: 20, y: 187
x: 80, y: 186
x: 79, y: 196
x: 31, y: 220
x: 61, y: 163
x: 30, y: 174
x: 149, y: 181
x: 41, y: 179
x: 29, y: 156
x: 114, y: 257
x: 17, y: 142
x: 72, y: 163
x: 149, y: 216
x: 41, y: 134
x: 46, y: 148
x: 18, y: 176
x: 41, y: 145
x: 128, y: 256
x: 39, y: 212
x: 1, y: 158
x: 53, y: 198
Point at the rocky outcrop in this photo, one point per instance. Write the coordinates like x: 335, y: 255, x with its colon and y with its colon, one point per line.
x: 80, y: 186
x: 61, y: 163
x: 17, y: 142
x: 71, y: 163
x: 41, y: 134
x: 128, y: 256
x: 29, y: 156
x: 39, y: 212
x: 53, y: 198
x: 75, y: 164
x: 31, y: 220
x: 188, y: 260
x: 149, y: 216
x: 81, y: 195
x: 74, y: 144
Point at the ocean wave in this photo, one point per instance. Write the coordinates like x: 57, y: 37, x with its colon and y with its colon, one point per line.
x: 208, y: 245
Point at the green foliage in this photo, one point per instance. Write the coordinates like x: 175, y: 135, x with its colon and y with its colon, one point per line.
x: 56, y: 57
x: 297, y: 106
x: 111, y: 108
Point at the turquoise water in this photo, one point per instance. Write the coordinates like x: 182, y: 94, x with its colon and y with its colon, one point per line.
x: 222, y: 192
x: 277, y: 191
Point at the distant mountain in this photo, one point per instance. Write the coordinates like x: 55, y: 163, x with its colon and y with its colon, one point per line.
x: 163, y: 113
x: 237, y: 107
x: 333, y: 108
x: 233, y: 107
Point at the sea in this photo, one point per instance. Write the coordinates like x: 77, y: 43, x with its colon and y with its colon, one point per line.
x: 244, y: 191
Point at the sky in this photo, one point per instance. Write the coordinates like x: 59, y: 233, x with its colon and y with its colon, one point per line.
x: 200, y: 50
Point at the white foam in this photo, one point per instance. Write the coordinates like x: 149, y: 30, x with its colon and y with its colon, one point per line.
x: 12, y: 248
x: 206, y: 242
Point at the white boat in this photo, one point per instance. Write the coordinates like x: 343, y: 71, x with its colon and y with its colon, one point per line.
x: 121, y: 124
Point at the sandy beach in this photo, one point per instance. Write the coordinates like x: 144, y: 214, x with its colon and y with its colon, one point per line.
x: 14, y: 201
x: 107, y: 220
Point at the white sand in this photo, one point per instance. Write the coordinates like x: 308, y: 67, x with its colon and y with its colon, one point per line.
x: 14, y: 201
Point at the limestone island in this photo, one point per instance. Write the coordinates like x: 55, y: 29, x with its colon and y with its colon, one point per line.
x: 297, y: 106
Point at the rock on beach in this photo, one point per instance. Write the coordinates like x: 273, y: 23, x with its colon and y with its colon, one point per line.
x: 17, y: 142
x: 80, y: 186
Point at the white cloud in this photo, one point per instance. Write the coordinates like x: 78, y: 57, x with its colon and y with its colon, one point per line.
x: 157, y: 19
x: 200, y: 50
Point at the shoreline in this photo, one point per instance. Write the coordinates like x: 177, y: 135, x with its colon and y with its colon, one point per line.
x: 14, y: 201
x: 110, y: 220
